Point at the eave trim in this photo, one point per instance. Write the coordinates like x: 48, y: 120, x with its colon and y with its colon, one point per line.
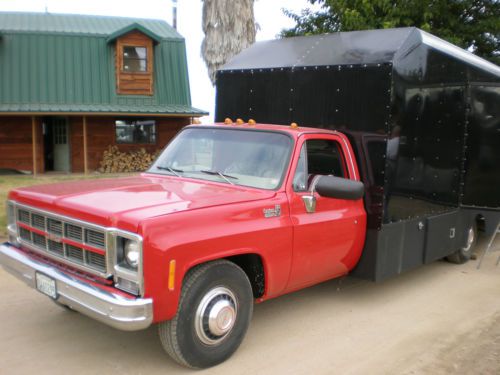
x: 134, y: 26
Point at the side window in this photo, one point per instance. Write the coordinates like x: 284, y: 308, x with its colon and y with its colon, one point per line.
x: 318, y: 157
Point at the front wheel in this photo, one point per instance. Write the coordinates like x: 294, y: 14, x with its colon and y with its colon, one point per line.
x: 214, y: 313
x: 465, y: 253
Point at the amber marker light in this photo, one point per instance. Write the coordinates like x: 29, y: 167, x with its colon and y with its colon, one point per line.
x: 294, y: 125
x: 251, y: 122
x: 239, y: 122
x: 228, y: 121
x: 171, y: 275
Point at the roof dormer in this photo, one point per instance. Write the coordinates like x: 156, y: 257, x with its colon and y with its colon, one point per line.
x: 134, y: 57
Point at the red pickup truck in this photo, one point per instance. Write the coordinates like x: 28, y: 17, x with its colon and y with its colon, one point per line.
x: 228, y: 214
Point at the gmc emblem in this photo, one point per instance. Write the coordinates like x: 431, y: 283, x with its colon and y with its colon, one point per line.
x: 54, y: 237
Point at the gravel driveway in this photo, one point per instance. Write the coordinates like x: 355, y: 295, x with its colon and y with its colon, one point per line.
x: 438, y: 319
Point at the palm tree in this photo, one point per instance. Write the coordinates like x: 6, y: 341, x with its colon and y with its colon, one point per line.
x: 229, y: 27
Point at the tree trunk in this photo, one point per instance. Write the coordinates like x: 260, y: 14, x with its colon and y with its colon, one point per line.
x: 229, y: 27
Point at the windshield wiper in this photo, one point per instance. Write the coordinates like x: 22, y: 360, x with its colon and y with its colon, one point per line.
x: 171, y: 170
x: 220, y: 174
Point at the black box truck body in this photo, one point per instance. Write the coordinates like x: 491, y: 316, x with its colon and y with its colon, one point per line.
x: 422, y: 115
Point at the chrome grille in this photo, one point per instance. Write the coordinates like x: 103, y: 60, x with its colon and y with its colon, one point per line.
x: 97, y: 261
x: 56, y: 248
x: 94, y: 238
x: 52, y: 241
x: 75, y: 253
x: 54, y: 226
x: 73, y: 232
x: 25, y: 234
x: 38, y: 221
x: 24, y: 216
x: 39, y: 241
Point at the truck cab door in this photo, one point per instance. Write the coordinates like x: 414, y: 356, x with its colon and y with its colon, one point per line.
x: 327, y: 242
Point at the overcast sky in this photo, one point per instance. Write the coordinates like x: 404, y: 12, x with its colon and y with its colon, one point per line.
x: 268, y: 15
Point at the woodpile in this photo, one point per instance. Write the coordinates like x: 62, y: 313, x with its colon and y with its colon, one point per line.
x: 115, y: 161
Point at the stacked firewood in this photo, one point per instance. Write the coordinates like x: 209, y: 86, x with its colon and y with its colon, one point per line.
x: 115, y: 161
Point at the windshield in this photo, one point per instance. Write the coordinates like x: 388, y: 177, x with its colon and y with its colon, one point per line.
x: 237, y: 157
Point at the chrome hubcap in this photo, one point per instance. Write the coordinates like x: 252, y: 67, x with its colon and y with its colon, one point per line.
x: 215, y: 315
x: 470, y: 239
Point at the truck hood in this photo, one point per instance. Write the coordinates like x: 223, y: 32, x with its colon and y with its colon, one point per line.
x: 124, y: 202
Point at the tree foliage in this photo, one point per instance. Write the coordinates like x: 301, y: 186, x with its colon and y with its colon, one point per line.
x: 470, y: 24
x: 229, y: 27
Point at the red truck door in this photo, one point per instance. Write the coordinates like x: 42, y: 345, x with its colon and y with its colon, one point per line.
x: 328, y: 241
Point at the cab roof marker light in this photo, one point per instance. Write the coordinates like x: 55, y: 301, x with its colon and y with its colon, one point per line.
x: 239, y: 122
x: 228, y: 121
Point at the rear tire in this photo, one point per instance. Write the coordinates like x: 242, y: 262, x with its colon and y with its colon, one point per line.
x: 214, y: 313
x: 464, y: 254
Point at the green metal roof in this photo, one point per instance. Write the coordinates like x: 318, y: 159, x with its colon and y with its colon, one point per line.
x: 63, y: 63
x: 160, y: 110
x: 49, y: 23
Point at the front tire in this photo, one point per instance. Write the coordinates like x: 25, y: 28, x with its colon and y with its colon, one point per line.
x: 214, y: 313
x: 464, y: 254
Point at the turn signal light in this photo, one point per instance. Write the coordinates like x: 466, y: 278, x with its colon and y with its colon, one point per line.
x: 171, y: 275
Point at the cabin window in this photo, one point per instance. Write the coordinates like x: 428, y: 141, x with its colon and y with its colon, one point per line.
x: 318, y: 157
x: 135, y: 131
x: 135, y: 59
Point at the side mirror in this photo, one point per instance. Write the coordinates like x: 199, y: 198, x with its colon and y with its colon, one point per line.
x: 333, y: 187
x: 340, y: 188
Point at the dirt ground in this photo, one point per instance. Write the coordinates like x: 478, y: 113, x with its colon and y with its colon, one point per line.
x: 438, y: 319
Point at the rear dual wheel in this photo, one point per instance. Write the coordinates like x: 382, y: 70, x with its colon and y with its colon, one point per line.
x: 214, y: 313
x: 465, y: 253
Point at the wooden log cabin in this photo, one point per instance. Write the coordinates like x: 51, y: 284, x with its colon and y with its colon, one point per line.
x: 72, y: 85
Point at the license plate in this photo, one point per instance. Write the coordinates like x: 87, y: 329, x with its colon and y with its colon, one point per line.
x: 46, y: 285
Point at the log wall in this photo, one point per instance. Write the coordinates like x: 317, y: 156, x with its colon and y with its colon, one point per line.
x: 134, y: 83
x: 101, y: 134
x: 16, y: 146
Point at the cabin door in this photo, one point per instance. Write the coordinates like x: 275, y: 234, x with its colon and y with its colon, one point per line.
x: 56, y: 132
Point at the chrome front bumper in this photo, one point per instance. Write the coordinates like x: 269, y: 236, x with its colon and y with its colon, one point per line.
x: 112, y: 309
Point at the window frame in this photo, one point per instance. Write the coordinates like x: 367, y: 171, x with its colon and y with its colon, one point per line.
x: 123, y: 58
x: 304, y: 146
x: 134, y: 122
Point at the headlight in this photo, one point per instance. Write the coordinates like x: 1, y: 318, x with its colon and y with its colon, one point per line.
x: 126, y: 260
x: 132, y: 253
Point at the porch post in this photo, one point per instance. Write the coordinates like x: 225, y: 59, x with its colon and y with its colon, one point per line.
x: 85, y: 159
x: 33, y: 140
